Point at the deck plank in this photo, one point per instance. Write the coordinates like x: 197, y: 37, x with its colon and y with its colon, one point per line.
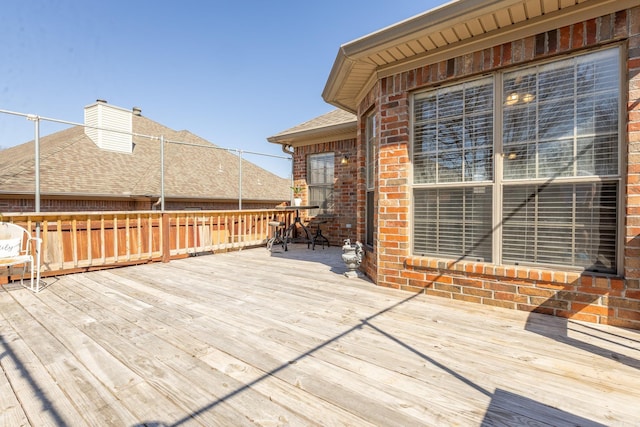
x: 152, y: 359
x: 41, y: 397
x: 80, y: 367
x: 259, y: 338
x: 494, y: 350
x: 11, y: 411
x: 215, y: 334
x: 180, y: 359
x: 280, y: 333
x: 490, y: 356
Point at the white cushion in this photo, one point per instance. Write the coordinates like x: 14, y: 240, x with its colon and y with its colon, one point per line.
x: 10, y: 248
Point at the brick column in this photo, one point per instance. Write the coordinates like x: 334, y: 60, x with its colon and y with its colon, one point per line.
x: 393, y: 181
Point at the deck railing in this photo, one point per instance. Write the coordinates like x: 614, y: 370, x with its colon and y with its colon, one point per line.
x: 80, y: 241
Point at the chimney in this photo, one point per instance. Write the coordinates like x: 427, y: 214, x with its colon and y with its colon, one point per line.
x: 102, y: 120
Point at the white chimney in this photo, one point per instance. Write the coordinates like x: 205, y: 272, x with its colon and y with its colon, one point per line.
x: 102, y: 120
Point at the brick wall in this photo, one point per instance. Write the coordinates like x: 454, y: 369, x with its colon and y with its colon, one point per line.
x: 598, y: 299
x: 345, y: 187
x: 61, y: 205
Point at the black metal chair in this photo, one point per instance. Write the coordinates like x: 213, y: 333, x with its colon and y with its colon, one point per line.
x: 318, y: 237
x: 279, y: 235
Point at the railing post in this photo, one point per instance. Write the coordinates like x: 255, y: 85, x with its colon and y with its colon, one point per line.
x: 240, y: 181
x: 166, y: 237
x: 36, y: 123
x: 162, y: 173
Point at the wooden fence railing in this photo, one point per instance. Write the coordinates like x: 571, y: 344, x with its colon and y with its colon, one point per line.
x: 81, y: 241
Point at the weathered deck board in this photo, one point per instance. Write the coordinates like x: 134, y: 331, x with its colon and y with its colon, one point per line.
x: 173, y: 372
x: 253, y: 338
x: 77, y: 363
x: 27, y: 350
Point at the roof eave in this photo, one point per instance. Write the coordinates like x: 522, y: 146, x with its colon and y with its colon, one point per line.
x: 350, y: 53
x: 356, y: 52
x: 429, y: 21
x: 337, y: 76
x: 306, y: 137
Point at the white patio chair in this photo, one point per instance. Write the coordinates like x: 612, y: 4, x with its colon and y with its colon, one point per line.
x: 16, y: 249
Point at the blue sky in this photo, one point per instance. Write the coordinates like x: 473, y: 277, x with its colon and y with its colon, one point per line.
x: 232, y: 72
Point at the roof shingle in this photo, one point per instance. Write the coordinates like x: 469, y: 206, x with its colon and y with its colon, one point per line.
x: 71, y: 164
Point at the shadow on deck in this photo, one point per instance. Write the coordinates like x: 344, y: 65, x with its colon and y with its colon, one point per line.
x: 253, y: 337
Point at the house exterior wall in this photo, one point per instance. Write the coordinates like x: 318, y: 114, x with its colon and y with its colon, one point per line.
x: 345, y: 187
x: 93, y: 205
x: 63, y: 205
x: 595, y: 298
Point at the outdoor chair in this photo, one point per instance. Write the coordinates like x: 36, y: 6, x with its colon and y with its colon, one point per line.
x: 16, y: 248
x: 318, y: 237
x: 279, y: 235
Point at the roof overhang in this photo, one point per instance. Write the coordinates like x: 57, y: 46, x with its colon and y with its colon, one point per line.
x: 451, y: 30
x: 333, y: 126
x: 316, y: 136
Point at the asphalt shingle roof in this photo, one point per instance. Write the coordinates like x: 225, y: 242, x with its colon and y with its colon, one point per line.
x: 332, y: 118
x: 71, y: 164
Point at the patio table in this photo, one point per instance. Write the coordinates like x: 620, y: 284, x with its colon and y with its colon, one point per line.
x: 291, y: 233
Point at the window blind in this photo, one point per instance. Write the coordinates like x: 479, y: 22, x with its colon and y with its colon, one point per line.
x: 320, y: 176
x: 455, y: 222
x: 453, y: 134
x: 564, y: 224
x: 561, y: 119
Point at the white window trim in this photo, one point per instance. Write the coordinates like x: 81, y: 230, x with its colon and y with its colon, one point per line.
x: 498, y: 182
x: 370, y: 156
x: 329, y: 185
x: 371, y: 143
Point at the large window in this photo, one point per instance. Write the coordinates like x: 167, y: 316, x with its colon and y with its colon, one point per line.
x: 558, y: 152
x: 320, y: 180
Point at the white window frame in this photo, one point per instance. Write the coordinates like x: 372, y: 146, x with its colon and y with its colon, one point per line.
x: 499, y: 182
x: 469, y: 184
x: 325, y: 184
x: 371, y: 138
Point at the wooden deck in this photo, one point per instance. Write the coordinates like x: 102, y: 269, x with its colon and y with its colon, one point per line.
x: 253, y: 338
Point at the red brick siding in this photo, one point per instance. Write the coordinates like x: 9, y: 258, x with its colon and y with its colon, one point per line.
x: 345, y: 187
x: 609, y: 300
x: 63, y: 205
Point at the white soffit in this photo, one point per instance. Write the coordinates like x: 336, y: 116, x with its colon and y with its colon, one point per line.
x: 450, y: 30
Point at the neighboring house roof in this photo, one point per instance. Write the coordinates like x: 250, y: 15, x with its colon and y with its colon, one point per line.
x: 332, y: 126
x: 71, y: 164
x: 448, y: 31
